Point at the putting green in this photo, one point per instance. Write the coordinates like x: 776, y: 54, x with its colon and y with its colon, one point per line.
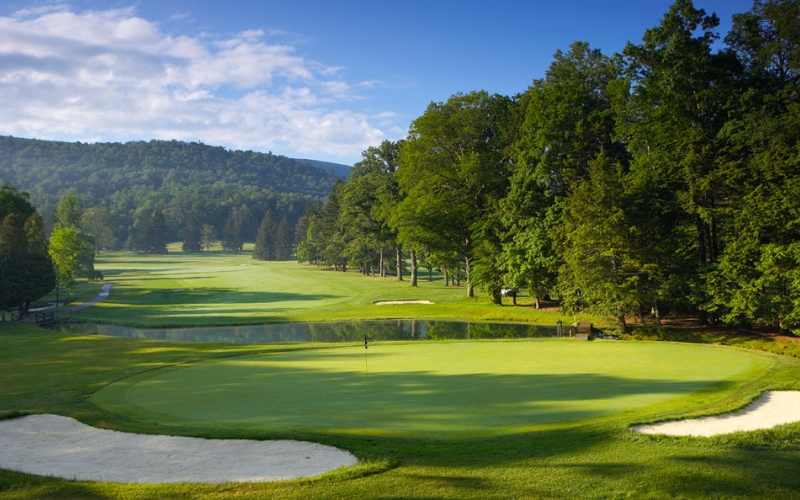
x: 431, y: 387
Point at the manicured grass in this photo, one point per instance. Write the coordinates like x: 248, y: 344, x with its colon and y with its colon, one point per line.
x: 88, y: 377
x: 432, y: 388
x: 58, y: 372
x: 217, y: 288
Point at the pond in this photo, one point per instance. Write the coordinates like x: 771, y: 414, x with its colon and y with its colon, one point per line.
x: 352, y: 331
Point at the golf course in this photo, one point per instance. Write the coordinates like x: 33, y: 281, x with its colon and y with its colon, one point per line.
x: 431, y: 418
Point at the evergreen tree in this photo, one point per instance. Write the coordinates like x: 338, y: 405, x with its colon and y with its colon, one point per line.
x: 208, y: 237
x: 265, y: 248
x: 150, y: 235
x: 233, y: 230
x: 192, y: 235
x: 283, y: 240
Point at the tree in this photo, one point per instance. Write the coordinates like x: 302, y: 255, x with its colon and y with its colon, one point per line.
x: 757, y: 277
x: 370, y: 195
x: 68, y: 211
x: 671, y: 121
x: 99, y: 223
x: 70, y: 246
x: 265, y: 248
x: 453, y: 170
x: 208, y: 237
x: 283, y: 240
x: 233, y: 230
x: 26, y: 270
x: 66, y: 249
x: 192, y: 236
x: 567, y: 121
x: 333, y: 252
x: 150, y: 233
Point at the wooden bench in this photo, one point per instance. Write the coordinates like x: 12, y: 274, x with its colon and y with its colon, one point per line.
x: 583, y: 329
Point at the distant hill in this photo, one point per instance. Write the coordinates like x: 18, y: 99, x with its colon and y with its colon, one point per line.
x: 176, y: 177
x: 341, y: 170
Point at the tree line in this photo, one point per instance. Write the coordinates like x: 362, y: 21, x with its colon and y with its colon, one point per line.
x: 662, y: 179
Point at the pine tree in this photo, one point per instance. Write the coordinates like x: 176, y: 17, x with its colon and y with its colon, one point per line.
x: 265, y: 239
x: 232, y: 231
x: 283, y: 240
x: 192, y: 235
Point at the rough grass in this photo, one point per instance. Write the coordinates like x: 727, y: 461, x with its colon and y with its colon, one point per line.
x: 43, y: 371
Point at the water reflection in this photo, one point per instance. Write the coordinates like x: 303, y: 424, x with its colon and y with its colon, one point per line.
x: 328, y: 332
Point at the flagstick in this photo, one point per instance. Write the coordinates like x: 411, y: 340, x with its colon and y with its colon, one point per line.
x: 366, y: 370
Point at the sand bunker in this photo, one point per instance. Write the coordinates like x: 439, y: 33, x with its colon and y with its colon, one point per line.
x: 768, y: 410
x: 394, y: 302
x: 50, y: 445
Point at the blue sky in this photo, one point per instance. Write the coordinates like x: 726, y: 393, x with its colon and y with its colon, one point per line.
x: 306, y: 79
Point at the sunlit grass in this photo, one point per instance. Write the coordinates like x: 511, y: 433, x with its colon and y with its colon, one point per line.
x: 218, y: 288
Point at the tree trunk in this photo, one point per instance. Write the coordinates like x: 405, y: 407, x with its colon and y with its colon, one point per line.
x: 430, y: 273
x: 470, y: 291
x: 399, y: 251
x: 413, y: 267
x: 513, y: 298
x: 446, y: 277
x: 537, y: 303
x: 380, y: 265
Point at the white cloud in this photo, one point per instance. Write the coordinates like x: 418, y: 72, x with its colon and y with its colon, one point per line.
x: 113, y: 75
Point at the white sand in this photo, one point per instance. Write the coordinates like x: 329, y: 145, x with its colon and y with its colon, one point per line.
x: 768, y: 410
x: 51, y: 445
x: 394, y: 302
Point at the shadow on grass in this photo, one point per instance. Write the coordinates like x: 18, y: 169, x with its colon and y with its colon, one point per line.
x: 144, y: 296
x: 273, y: 392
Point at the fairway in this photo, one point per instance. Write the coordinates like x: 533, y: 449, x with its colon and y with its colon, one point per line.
x: 429, y: 387
x: 221, y: 288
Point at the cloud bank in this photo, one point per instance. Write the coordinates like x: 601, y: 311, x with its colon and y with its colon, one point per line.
x: 110, y: 75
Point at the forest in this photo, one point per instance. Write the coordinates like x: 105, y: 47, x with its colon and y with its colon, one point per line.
x: 661, y: 180
x: 187, y: 183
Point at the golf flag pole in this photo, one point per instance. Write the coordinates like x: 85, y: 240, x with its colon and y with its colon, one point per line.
x: 366, y: 370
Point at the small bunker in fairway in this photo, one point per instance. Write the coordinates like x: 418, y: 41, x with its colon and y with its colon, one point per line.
x: 399, y: 302
x: 430, y: 387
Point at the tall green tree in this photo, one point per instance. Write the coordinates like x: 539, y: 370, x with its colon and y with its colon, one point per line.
x: 233, y: 230
x: 150, y: 233
x: 265, y: 248
x: 26, y: 270
x: 757, y: 277
x: 333, y: 252
x: 66, y: 237
x: 671, y: 122
x: 98, y: 222
x: 567, y: 121
x: 68, y: 211
x: 453, y: 170
x: 283, y: 240
x: 208, y: 237
x: 192, y: 234
x: 370, y: 195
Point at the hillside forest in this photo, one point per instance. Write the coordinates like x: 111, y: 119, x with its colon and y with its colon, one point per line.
x: 663, y: 179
